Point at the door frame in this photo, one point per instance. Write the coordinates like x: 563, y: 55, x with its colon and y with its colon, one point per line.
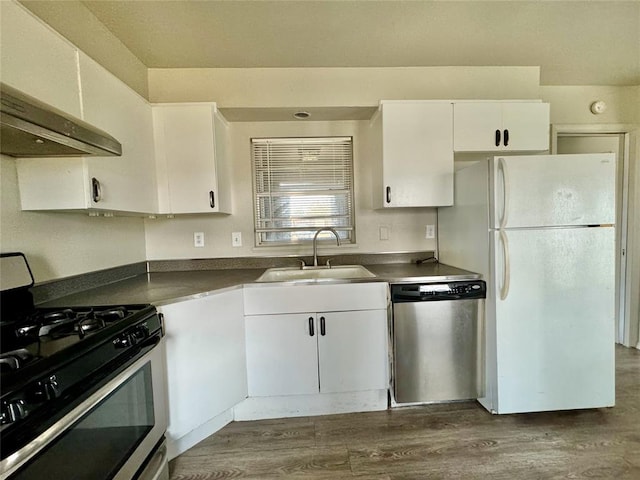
x: 627, y: 323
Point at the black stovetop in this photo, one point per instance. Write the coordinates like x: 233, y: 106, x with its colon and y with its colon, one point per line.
x: 44, y: 338
x: 43, y: 332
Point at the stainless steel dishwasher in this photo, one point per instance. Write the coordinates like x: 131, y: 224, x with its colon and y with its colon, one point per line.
x: 438, y: 341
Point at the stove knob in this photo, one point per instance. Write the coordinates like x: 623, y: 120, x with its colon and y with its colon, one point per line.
x: 46, y: 390
x: 123, y: 341
x: 51, y: 388
x: 12, y: 412
x: 139, y: 334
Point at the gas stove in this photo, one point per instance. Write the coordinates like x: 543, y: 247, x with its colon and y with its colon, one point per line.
x: 53, y: 359
x: 51, y: 349
x: 45, y: 332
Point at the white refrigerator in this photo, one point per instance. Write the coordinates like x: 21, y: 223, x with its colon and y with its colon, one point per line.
x: 541, y: 230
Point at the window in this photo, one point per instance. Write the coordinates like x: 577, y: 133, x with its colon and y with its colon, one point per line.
x: 300, y: 185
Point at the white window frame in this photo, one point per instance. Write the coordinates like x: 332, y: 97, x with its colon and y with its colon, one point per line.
x: 279, y: 156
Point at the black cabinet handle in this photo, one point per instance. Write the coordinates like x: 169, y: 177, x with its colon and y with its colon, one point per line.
x: 506, y: 138
x: 497, y: 138
x: 388, y: 194
x: 212, y: 199
x: 323, y: 330
x: 311, y: 330
x: 96, y: 190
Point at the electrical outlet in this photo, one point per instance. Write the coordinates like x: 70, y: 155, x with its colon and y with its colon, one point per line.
x: 384, y: 232
x: 430, y: 231
x: 236, y: 239
x: 198, y: 239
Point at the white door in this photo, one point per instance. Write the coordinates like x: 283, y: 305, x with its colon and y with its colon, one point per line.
x: 353, y: 351
x: 282, y: 354
x: 555, y: 318
x: 553, y: 190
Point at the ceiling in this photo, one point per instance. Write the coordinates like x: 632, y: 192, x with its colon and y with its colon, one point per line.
x: 574, y: 42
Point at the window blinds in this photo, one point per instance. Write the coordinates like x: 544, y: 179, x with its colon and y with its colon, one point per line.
x: 300, y: 185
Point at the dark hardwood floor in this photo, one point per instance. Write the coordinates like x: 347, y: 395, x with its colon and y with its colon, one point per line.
x: 445, y: 441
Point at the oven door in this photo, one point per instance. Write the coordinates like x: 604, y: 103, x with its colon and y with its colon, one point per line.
x: 116, y: 433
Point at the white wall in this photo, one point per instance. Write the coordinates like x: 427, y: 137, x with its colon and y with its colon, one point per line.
x: 335, y: 87
x: 63, y: 244
x: 570, y: 105
x: 173, y: 238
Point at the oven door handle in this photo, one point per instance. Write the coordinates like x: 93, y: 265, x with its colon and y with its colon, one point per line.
x: 14, y: 461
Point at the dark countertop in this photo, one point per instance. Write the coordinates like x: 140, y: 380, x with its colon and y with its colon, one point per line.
x: 161, y: 288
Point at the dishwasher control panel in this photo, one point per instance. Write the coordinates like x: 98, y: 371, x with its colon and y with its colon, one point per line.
x: 421, y: 292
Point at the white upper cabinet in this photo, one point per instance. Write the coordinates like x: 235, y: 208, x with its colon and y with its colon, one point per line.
x: 501, y: 126
x: 37, y: 61
x: 192, y: 160
x: 412, y: 151
x: 110, y: 184
x: 127, y: 183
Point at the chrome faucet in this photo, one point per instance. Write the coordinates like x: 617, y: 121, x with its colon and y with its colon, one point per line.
x: 315, y: 240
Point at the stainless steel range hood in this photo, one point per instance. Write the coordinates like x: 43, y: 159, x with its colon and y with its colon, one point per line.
x: 30, y: 128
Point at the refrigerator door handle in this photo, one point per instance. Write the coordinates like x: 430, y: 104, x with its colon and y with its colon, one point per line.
x: 506, y: 267
x: 502, y: 167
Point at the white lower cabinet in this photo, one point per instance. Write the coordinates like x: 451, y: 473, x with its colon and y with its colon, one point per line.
x: 282, y: 356
x: 352, y: 354
x: 206, y: 366
x: 310, y: 353
x: 317, y: 342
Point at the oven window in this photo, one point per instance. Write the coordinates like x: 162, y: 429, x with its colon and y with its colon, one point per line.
x: 100, y: 443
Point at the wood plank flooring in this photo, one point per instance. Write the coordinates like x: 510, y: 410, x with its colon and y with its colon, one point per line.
x: 445, y: 441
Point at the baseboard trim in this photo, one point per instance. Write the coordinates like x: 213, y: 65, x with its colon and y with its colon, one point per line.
x: 177, y: 446
x: 259, y: 408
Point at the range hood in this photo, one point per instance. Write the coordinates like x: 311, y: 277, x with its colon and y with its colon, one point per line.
x: 30, y: 128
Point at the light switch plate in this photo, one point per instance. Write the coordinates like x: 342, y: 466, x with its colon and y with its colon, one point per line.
x: 430, y: 231
x: 198, y: 239
x: 236, y: 239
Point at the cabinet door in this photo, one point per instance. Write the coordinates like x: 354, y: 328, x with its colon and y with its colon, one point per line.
x: 186, y: 144
x: 38, y: 61
x: 475, y: 126
x: 206, y: 364
x: 501, y: 126
x: 353, y: 352
x: 128, y: 183
x: 527, y: 125
x: 417, y: 153
x: 282, y: 356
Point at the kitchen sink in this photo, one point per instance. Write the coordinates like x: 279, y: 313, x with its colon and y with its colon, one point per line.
x: 291, y: 274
